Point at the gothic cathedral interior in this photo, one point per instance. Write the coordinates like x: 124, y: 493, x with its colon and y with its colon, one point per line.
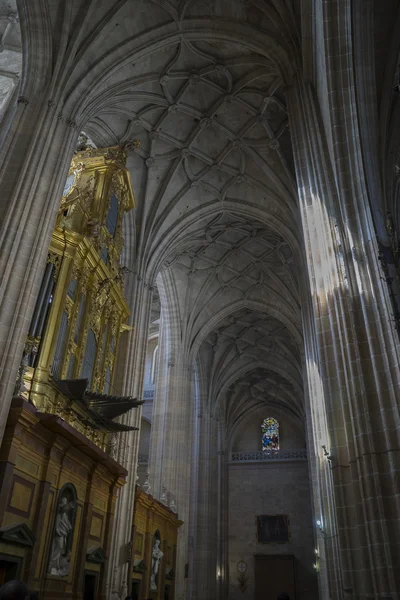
x: 200, y: 299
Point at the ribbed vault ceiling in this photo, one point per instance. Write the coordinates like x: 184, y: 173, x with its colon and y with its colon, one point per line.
x: 251, y: 359
x: 201, y: 84
x: 214, y: 183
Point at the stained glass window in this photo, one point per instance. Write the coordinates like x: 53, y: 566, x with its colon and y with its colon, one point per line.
x: 270, y: 434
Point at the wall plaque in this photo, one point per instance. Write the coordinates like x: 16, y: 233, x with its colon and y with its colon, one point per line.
x: 272, y: 529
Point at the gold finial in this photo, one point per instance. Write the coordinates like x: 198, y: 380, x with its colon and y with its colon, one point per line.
x: 133, y: 145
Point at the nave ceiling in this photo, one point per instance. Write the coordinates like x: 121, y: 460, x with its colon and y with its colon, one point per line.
x: 201, y: 85
x: 215, y: 188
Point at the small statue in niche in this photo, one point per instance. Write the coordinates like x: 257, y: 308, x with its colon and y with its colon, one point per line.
x: 156, y: 557
x: 60, y: 555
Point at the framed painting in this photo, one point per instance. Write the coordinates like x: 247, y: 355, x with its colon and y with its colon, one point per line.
x: 273, y: 529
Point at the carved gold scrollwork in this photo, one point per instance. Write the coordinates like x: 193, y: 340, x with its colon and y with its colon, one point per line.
x: 87, y: 194
x: 116, y: 154
x: 32, y: 344
x: 82, y: 346
x: 109, y: 362
x: 114, y: 325
x: 84, y: 280
x: 55, y: 259
x: 118, y: 239
x: 95, y: 323
x: 60, y: 408
x: 71, y: 349
x: 97, y: 381
x: 68, y: 307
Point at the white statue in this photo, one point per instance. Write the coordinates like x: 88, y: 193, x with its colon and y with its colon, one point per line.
x: 155, y: 563
x: 60, y: 552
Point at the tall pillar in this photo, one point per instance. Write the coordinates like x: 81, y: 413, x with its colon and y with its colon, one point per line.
x: 353, y: 367
x: 203, y: 576
x: 222, y: 574
x: 35, y: 158
x: 171, y: 449
x: 132, y: 354
x: 320, y: 472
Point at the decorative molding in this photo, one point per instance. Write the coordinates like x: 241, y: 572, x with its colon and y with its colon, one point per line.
x: 269, y: 456
x: 139, y: 566
x: 96, y: 555
x: 17, y: 534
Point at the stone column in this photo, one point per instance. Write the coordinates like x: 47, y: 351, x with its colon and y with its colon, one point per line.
x: 172, y: 425
x: 35, y: 157
x: 353, y: 367
x: 130, y: 381
x: 222, y: 574
x: 320, y: 472
x: 158, y: 414
x: 204, y: 517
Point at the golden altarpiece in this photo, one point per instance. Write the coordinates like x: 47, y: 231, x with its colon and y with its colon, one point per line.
x: 59, y: 477
x: 154, y: 549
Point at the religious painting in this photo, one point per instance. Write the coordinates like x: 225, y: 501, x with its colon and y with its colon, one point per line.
x: 272, y: 529
x: 270, y: 434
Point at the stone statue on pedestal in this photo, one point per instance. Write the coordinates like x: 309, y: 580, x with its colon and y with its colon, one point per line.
x: 155, y: 563
x: 62, y: 537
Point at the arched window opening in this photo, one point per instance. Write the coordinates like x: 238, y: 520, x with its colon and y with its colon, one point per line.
x: 270, y: 434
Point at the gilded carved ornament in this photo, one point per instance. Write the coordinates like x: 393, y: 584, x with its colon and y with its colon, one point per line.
x: 81, y: 203
x: 81, y: 354
x: 31, y: 348
x: 84, y: 279
x: 71, y: 349
x: 81, y: 234
x: 69, y: 307
x: 56, y: 260
x: 94, y: 324
x: 109, y: 361
x: 74, y: 176
x: 97, y: 381
x: 115, y: 325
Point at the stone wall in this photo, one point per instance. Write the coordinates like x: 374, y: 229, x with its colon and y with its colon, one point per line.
x: 270, y: 488
x: 248, y: 436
